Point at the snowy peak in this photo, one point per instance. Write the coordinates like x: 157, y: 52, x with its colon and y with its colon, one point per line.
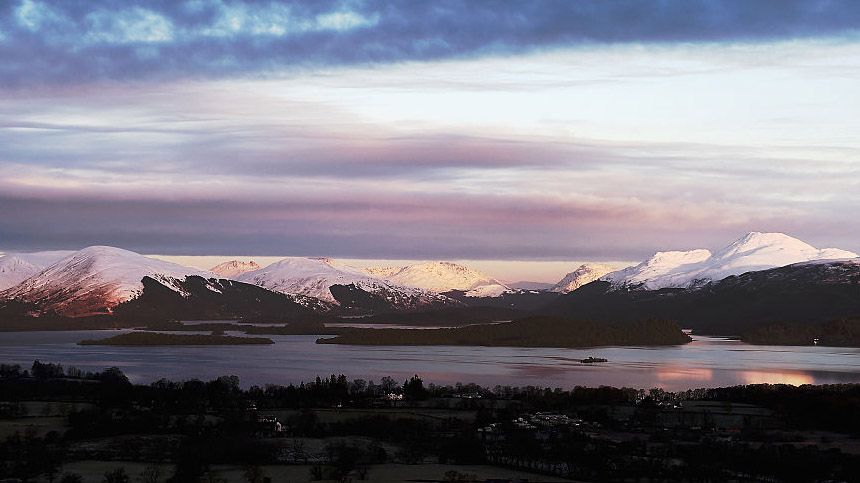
x: 314, y: 277
x: 94, y: 280
x: 752, y: 252
x: 586, y: 273
x: 439, y: 277
x: 755, y: 240
x: 777, y: 249
x: 17, y: 267
x: 234, y: 268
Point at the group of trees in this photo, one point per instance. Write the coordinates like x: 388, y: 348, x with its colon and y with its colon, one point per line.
x: 838, y: 333
x: 46, y: 370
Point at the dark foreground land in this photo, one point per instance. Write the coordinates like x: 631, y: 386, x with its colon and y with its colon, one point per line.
x: 60, y: 424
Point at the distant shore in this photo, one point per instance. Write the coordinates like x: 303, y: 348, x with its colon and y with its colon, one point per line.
x: 156, y: 338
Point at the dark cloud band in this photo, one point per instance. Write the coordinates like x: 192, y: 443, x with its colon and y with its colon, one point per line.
x: 77, y: 41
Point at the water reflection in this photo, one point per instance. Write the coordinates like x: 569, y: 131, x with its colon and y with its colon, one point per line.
x: 678, y: 373
x: 782, y: 377
x: 706, y: 362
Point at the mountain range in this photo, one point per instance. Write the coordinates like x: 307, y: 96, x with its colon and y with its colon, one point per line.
x: 746, y: 282
x: 753, y: 252
x: 315, y: 277
x: 99, y: 279
x: 442, y: 277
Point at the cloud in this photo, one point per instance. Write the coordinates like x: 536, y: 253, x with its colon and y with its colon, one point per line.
x: 356, y: 224
x: 603, y: 153
x: 134, y: 25
x: 221, y: 167
x: 79, y: 41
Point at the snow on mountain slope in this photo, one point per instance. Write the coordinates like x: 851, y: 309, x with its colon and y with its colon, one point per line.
x: 17, y: 267
x: 14, y: 270
x: 94, y: 280
x: 664, y: 269
x: 442, y: 277
x: 586, y: 273
x: 752, y: 252
x: 382, y: 272
x: 234, y: 268
x: 490, y: 290
x: 313, y: 277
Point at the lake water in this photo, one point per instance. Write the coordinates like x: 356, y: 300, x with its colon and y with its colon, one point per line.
x: 705, y: 362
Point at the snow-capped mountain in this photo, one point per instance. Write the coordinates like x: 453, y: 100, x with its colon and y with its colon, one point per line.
x: 17, y: 267
x: 234, y: 268
x: 314, y: 277
x: 752, y: 252
x: 442, y: 277
x: 95, y: 280
x: 799, y: 293
x: 586, y: 273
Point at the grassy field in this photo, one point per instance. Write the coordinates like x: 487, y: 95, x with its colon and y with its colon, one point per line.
x: 40, y: 418
x: 337, y: 415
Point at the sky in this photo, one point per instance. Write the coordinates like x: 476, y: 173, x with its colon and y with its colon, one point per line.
x: 504, y: 133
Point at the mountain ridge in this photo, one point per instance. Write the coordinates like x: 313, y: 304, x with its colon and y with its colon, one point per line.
x: 754, y: 251
x: 315, y: 277
x: 441, y: 277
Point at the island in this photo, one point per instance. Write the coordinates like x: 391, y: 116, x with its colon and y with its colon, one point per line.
x: 158, y: 338
x: 527, y: 332
x: 835, y: 333
x: 293, y: 328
